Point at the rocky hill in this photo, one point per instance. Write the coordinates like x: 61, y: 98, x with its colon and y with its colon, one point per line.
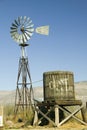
x: 80, y: 93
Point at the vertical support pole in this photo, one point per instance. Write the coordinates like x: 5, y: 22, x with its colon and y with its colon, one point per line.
x: 83, y: 114
x: 1, y: 117
x: 86, y: 105
x: 35, y: 118
x: 56, y: 115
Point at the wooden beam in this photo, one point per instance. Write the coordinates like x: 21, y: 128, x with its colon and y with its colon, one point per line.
x: 45, y: 116
x: 71, y: 115
x: 56, y: 115
x: 76, y: 117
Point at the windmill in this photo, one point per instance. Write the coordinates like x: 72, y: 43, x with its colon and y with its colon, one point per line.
x: 21, y: 31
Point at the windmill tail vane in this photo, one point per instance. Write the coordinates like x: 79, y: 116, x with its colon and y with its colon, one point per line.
x: 44, y: 30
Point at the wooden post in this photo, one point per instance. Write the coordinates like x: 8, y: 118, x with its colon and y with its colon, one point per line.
x: 56, y: 115
x: 1, y: 116
x: 86, y: 104
x: 84, y: 113
x: 35, y: 118
x: 83, y: 110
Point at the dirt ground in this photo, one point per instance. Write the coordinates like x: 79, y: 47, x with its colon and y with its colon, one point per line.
x: 66, y: 126
x: 42, y: 128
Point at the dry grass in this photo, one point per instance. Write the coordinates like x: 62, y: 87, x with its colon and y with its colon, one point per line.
x: 13, y: 123
x: 16, y: 121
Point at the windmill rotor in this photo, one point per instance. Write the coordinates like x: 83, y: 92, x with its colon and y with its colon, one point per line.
x: 22, y: 30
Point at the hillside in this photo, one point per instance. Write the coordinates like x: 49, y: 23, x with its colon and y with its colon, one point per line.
x: 80, y: 93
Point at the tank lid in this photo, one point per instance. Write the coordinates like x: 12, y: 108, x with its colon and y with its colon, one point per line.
x: 58, y: 72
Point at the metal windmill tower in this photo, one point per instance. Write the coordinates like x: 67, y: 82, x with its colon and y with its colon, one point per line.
x: 21, y: 31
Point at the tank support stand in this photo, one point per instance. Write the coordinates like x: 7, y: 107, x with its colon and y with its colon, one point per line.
x: 57, y: 107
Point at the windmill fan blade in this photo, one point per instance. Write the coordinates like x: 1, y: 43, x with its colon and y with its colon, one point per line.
x: 13, y: 28
x: 20, y: 41
x: 16, y: 22
x: 14, y: 25
x: 27, y: 37
x: 43, y: 30
x: 24, y: 38
x: 31, y: 30
x: 30, y: 26
x: 28, y: 34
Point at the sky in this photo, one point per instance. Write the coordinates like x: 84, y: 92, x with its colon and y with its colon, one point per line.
x: 64, y: 49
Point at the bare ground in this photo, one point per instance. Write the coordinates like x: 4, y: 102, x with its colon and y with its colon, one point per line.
x: 70, y: 125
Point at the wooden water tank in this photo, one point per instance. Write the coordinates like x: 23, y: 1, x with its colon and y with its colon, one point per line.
x: 58, y: 85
